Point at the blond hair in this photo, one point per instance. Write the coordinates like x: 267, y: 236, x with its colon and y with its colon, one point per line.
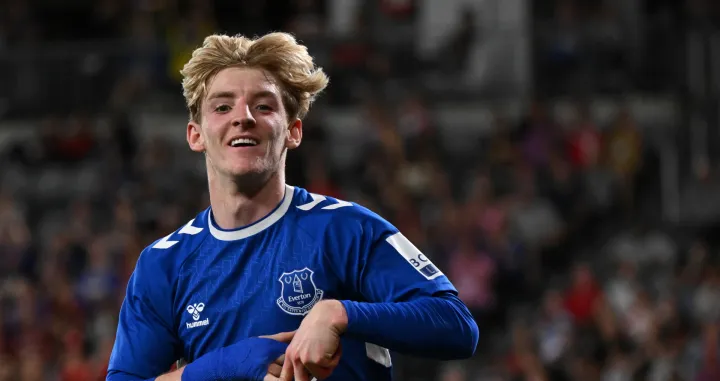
x: 277, y: 53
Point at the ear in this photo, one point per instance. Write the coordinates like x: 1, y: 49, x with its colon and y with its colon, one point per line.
x: 294, y: 136
x: 194, y: 137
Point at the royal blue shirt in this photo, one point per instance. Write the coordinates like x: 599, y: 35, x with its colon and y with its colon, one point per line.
x: 202, y: 288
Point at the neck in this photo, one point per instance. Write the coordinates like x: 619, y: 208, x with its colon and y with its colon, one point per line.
x: 235, y: 205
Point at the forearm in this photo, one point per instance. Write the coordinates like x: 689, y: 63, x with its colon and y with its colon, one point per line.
x: 246, y: 360
x: 438, y: 327
x: 175, y: 375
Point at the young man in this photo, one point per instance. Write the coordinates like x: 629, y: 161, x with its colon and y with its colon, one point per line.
x: 333, y: 283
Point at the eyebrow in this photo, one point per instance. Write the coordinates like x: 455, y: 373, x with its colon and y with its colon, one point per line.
x: 231, y: 95
x: 221, y: 94
x: 265, y: 94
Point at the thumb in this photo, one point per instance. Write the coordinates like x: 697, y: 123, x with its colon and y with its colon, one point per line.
x: 283, y: 337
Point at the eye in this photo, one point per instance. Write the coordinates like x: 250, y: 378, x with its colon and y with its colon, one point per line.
x: 222, y: 108
x: 263, y: 108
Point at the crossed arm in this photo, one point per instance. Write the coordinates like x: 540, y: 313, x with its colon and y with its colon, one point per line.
x: 273, y: 369
x: 252, y: 359
x: 408, y: 308
x: 448, y: 332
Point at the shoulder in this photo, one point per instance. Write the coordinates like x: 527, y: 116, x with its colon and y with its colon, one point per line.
x: 324, y: 214
x: 167, y: 254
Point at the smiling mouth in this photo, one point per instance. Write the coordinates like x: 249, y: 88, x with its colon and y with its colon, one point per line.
x: 243, y: 142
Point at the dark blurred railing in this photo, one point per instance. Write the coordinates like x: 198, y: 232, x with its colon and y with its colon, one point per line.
x: 56, y: 78
x: 575, y: 59
x: 584, y: 50
x: 59, y: 78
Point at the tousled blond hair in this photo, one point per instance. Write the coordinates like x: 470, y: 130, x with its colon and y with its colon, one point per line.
x: 279, y: 54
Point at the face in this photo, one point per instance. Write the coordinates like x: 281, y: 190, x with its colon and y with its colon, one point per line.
x: 244, y: 128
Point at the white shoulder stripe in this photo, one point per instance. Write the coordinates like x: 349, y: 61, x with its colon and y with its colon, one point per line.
x: 337, y: 205
x: 166, y: 243
x: 316, y: 200
x: 190, y: 229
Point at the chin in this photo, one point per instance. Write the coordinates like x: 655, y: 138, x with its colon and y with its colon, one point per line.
x: 250, y: 173
x: 254, y: 171
x: 246, y: 168
x: 245, y: 172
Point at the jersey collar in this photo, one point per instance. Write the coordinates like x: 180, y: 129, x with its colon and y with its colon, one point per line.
x: 256, y: 227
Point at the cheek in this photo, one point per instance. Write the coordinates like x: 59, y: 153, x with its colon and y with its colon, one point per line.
x: 278, y: 133
x: 212, y: 134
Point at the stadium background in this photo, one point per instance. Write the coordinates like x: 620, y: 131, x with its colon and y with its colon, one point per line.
x: 557, y: 158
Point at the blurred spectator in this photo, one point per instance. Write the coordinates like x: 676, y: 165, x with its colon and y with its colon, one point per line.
x: 624, y: 148
x: 307, y: 19
x: 184, y: 36
x: 643, y: 246
x: 473, y: 272
x: 459, y: 45
x: 582, y: 297
x: 622, y: 289
x: 318, y: 179
x: 554, y: 330
x: 538, y: 135
x: 640, y: 320
x: 707, y: 297
x: 584, y: 141
x: 533, y: 217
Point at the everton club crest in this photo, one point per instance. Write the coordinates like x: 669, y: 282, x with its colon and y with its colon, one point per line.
x: 299, y: 293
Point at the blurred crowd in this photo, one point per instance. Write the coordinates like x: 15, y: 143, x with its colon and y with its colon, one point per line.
x: 545, y: 220
x: 548, y: 227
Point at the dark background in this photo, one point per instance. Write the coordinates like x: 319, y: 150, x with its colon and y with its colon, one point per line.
x: 558, y: 159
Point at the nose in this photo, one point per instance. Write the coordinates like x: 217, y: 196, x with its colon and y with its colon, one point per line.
x: 243, y: 117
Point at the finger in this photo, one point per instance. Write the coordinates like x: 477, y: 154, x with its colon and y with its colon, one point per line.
x: 286, y: 374
x: 319, y: 372
x: 335, y: 360
x: 283, y: 337
x: 275, y: 370
x: 280, y: 360
x: 326, y: 366
x: 301, y: 374
x: 329, y: 360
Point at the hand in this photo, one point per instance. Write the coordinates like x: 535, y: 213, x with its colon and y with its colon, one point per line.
x: 274, y: 369
x: 315, y: 350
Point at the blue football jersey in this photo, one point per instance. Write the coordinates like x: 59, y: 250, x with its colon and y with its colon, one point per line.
x: 202, y: 288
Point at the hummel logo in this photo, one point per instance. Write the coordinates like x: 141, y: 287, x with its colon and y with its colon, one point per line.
x: 195, y: 310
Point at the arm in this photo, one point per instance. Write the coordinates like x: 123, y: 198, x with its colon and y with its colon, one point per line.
x: 439, y: 327
x: 409, y: 305
x: 247, y: 360
x: 146, y: 345
x: 175, y: 375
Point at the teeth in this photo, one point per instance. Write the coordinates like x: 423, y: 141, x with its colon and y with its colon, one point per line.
x: 243, y: 141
